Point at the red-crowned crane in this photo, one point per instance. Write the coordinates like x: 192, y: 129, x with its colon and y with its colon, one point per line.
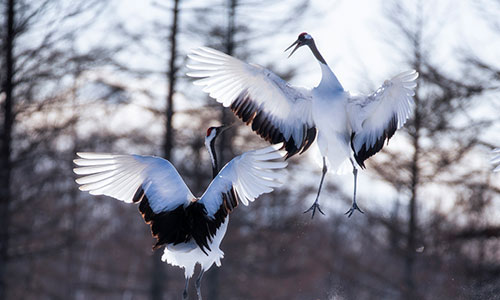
x: 191, y: 228
x: 350, y: 128
x: 495, y: 160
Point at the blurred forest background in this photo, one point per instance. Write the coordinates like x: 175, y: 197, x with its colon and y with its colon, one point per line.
x: 78, y: 76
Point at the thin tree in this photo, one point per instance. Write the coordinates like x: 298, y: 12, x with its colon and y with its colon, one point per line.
x: 159, y: 277
x: 5, y: 167
x: 440, y: 99
x: 232, y: 37
x: 32, y: 85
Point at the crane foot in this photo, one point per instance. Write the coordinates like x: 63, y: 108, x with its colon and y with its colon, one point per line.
x: 353, y: 208
x: 313, y: 209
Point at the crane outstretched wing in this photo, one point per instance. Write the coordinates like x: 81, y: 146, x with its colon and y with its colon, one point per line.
x: 166, y: 203
x: 243, y: 179
x: 375, y: 118
x: 277, y: 111
x: 152, y: 182
x: 495, y: 160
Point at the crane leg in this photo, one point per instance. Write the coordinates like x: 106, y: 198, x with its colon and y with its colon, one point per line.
x: 185, y: 292
x: 316, y: 204
x: 198, y: 284
x: 354, y: 205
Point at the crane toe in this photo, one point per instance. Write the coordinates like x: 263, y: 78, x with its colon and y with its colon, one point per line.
x: 313, y: 208
x: 353, y: 208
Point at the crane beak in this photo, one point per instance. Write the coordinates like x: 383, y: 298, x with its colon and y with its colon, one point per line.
x: 224, y: 127
x: 297, y: 42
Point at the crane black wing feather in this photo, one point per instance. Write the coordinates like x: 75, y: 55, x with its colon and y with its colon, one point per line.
x: 183, y: 224
x: 261, y: 121
x: 278, y: 112
x: 375, y: 118
x: 166, y: 204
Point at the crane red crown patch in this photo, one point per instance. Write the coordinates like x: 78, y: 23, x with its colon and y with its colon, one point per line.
x: 209, y: 130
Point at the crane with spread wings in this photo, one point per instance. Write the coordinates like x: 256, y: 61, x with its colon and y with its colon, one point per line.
x: 349, y: 128
x: 191, y: 228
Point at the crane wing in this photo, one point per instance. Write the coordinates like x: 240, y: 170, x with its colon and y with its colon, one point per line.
x: 375, y: 118
x: 152, y: 182
x: 495, y: 160
x: 120, y: 176
x: 243, y: 179
x: 277, y: 111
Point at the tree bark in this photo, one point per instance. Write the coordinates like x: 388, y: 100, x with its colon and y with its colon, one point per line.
x: 159, y: 276
x: 226, y: 116
x: 213, y: 277
x: 412, y: 216
x: 411, y: 289
x: 6, y: 166
x: 172, y: 76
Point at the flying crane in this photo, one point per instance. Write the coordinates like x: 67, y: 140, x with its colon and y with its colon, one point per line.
x: 350, y: 128
x: 191, y: 228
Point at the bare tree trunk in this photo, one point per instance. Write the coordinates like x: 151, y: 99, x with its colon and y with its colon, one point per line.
x: 213, y: 278
x: 72, y: 264
x: 227, y: 116
x: 6, y: 166
x: 71, y: 239
x: 159, y: 277
x: 411, y: 289
x: 412, y: 212
x: 172, y: 76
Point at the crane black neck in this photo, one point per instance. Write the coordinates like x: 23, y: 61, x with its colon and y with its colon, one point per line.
x: 316, y: 53
x: 213, y: 156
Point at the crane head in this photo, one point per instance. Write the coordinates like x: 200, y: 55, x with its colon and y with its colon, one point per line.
x: 215, y: 131
x: 303, y: 39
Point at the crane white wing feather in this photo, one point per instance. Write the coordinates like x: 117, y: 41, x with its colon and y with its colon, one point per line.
x: 374, y: 118
x: 120, y: 176
x: 257, y: 96
x: 249, y: 175
x: 496, y: 159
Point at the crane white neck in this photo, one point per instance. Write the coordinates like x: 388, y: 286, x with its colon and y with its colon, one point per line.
x: 328, y: 78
